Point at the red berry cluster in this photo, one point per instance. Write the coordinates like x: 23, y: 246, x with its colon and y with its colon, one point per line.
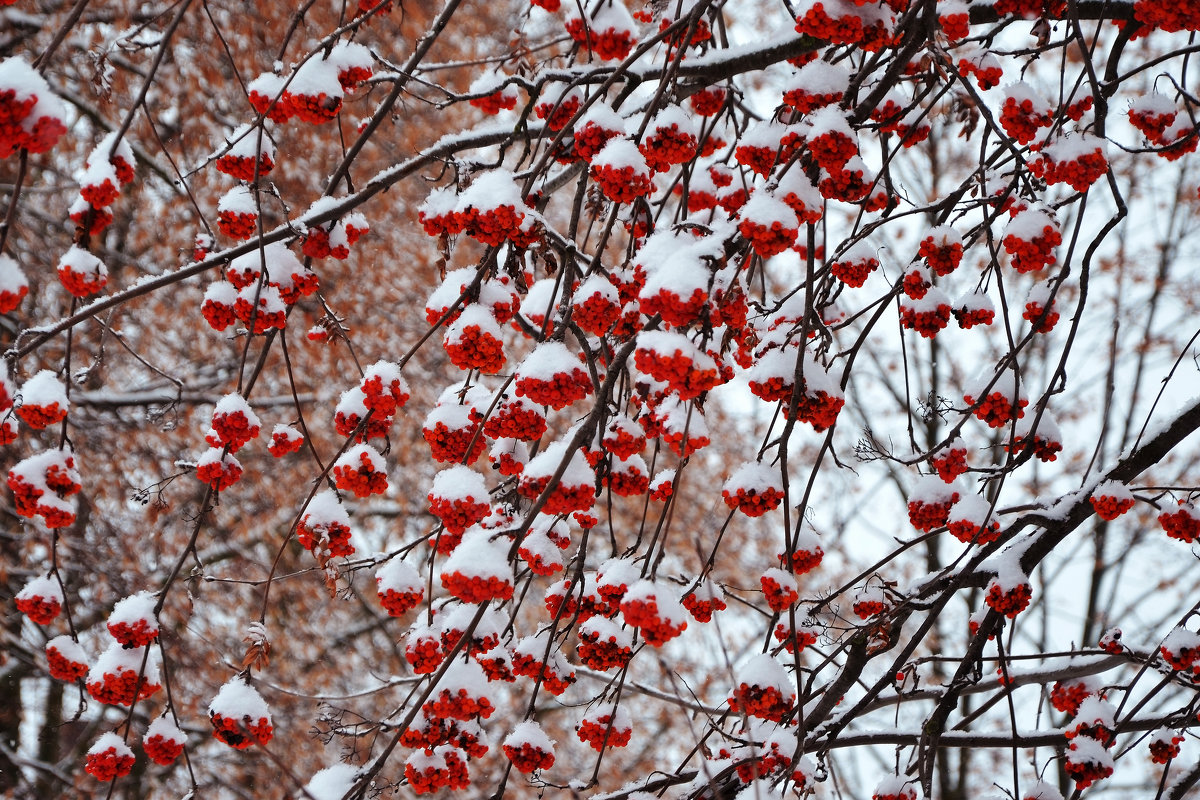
x: 817, y: 23
x: 528, y: 757
x: 476, y: 589
x: 285, y: 440
x: 495, y: 102
x: 795, y: 640
x: 1164, y: 748
x: 63, y: 667
x: 1167, y: 15
x: 923, y: 320
x: 449, y: 445
x: 552, y: 680
x: 677, y: 370
x: 621, y: 184
x: 563, y: 499
x: 968, y: 318
x: 332, y: 538
x: 42, y: 610
x: 753, y: 502
x: 595, y: 314
x: 347, y: 423
x: 667, y: 146
x: 458, y: 705
x: 968, y: 531
x: 243, y: 167
x: 1084, y: 769
x: 942, y: 257
x: 867, y: 607
x: 121, y: 688
x: 702, y: 609
x: 220, y: 473
x: 363, y: 480
x: 767, y: 240
x: 761, y: 702
x: 853, y: 271
x: 1152, y: 122
x: 240, y: 734
x: 233, y: 429
x: 397, y: 604
x: 928, y: 516
x: 997, y: 410
x: 1109, y: 508
x: 627, y: 480
x: 1045, y: 448
x: 1009, y: 602
x: 459, y: 513
x: 643, y: 615
x: 1080, y: 172
x: 315, y: 109
x: 1021, y: 121
x: 847, y: 184
x: 598, y: 732
x: 109, y: 764
x: 559, y: 391
x: 591, y: 138
x: 708, y: 101
x: 949, y: 462
x: 515, y: 420
x: 987, y: 74
x: 141, y: 633
x: 676, y: 311
x: 1183, y: 524
x: 423, y: 652
x: 161, y: 749
x: 779, y: 596
x: 820, y: 409
x: 1067, y: 696
x: 87, y: 217
x: 16, y: 134
x: 442, y: 767
x: 609, y: 44
x: 757, y: 158
x: 237, y: 225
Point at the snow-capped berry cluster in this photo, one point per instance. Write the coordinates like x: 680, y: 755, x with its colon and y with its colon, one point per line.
x: 1024, y: 112
x: 65, y: 659
x: 239, y: 715
x: 929, y: 503
x: 118, y: 677
x: 754, y: 489
x: 133, y: 621
x: 1009, y: 592
x: 656, y: 613
x: 1030, y: 238
x: 42, y: 482
x: 1087, y: 761
x: 1078, y: 161
x: 163, y: 741
x: 853, y: 266
x: 764, y: 689
x: 41, y: 599
x: 529, y: 748
x: 478, y: 571
x: 1111, y: 499
x: 109, y: 758
x: 972, y: 519
x: 31, y: 116
x: 1164, y: 746
x: 998, y: 405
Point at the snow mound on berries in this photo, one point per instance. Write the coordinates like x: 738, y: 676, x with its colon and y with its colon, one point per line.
x: 237, y: 699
